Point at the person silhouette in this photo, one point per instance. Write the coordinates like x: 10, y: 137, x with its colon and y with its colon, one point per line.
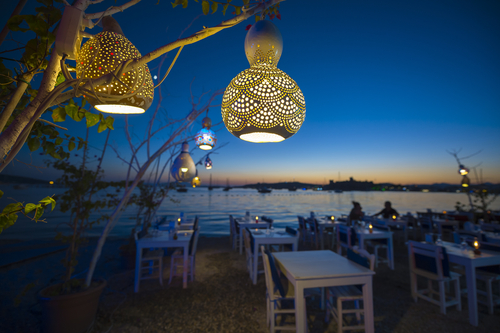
x: 356, y: 212
x: 388, y: 211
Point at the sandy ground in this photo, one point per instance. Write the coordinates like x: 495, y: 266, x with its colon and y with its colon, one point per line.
x: 221, y: 299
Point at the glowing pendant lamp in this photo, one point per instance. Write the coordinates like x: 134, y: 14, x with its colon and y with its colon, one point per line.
x: 208, y: 163
x: 465, y: 181
x: 205, y: 139
x: 183, y: 168
x: 263, y: 103
x: 102, y: 54
x: 462, y: 170
x: 196, y: 181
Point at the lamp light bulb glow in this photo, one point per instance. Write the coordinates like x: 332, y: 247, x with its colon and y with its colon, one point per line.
x: 476, y: 244
x: 184, y: 169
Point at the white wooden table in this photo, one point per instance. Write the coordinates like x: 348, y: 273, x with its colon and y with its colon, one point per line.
x: 162, y: 240
x: 244, y: 223
x: 471, y: 261
x: 313, y: 269
x: 278, y: 237
x: 440, y: 223
x: 187, y: 224
x: 364, y: 234
x: 326, y: 224
x: 398, y: 223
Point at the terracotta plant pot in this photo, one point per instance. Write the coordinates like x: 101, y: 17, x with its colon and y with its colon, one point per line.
x: 72, y: 313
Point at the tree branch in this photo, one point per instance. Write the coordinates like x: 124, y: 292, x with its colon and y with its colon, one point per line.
x: 111, y: 10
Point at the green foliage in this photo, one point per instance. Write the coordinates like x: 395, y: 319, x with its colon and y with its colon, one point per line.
x: 213, y: 6
x: 86, y: 194
x: 33, y: 211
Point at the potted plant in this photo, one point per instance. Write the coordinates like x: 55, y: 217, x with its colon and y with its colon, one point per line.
x: 71, y: 304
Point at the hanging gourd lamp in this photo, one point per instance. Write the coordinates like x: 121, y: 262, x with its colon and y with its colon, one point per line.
x: 183, y: 168
x: 263, y: 103
x: 133, y: 91
x: 205, y: 139
x: 465, y: 181
x: 196, y: 181
x: 208, y: 163
x: 462, y: 170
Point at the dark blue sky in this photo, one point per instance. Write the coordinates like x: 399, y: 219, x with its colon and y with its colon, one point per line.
x: 389, y: 87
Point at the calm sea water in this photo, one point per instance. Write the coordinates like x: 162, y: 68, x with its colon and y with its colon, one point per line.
x: 214, y: 207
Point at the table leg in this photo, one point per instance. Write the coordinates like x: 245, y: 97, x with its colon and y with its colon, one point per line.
x: 470, y: 273
x: 300, y: 309
x: 138, y: 257
x: 185, y: 270
x: 390, y: 252
x: 361, y: 240
x: 368, y: 306
x: 241, y: 240
x: 255, y: 261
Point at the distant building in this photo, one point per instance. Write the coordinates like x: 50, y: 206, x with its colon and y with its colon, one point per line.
x: 350, y: 185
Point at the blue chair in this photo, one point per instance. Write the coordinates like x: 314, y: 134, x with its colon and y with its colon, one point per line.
x: 351, y: 293
x: 278, y: 300
x: 431, y: 262
x: 346, y: 238
x: 177, y: 259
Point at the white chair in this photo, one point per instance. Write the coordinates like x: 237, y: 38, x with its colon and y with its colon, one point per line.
x: 177, y: 260
x: 379, y: 244
x: 345, y: 238
x: 352, y: 293
x: 250, y: 256
x: 153, y: 258
x: 279, y: 302
x: 234, y: 233
x: 431, y: 262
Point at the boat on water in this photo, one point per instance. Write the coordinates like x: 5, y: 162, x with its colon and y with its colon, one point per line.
x: 264, y: 190
x: 210, y: 187
x: 181, y: 189
x: 227, y: 188
x: 338, y: 191
x: 292, y: 188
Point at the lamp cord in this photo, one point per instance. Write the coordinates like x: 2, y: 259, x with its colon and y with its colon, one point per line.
x: 171, y: 65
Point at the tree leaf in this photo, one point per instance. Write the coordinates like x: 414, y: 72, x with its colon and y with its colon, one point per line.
x: 224, y: 8
x: 109, y: 121
x: 49, y: 201
x: 71, y: 145
x: 73, y: 112
x: 102, y: 127
x: 59, y: 141
x: 59, y: 115
x: 91, y: 118
x: 30, y: 207
x: 205, y: 6
x: 1, y: 193
x: 214, y: 7
x: 13, y: 207
x: 39, y: 213
x: 238, y: 10
x: 33, y: 144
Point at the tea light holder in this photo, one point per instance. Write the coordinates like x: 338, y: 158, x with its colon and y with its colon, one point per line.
x: 256, y: 219
x: 476, y: 246
x: 370, y: 227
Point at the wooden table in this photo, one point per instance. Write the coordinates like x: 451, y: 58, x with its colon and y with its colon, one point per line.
x: 278, y: 237
x: 440, y: 223
x: 185, y: 225
x: 326, y: 224
x: 162, y: 240
x: 471, y: 261
x: 364, y: 234
x: 312, y: 269
x: 244, y: 223
x: 398, y: 223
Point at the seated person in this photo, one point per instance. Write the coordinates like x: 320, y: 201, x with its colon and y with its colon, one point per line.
x: 356, y: 213
x: 388, y: 211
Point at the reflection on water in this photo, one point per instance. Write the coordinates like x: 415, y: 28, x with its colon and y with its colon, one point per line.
x: 213, y: 207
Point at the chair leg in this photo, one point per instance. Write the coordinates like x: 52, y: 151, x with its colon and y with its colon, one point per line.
x: 160, y: 273
x: 442, y: 297
x: 172, y: 268
x: 340, y: 318
x: 489, y: 296
x: 458, y: 294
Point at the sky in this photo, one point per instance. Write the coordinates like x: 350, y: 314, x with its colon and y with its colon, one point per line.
x: 390, y: 87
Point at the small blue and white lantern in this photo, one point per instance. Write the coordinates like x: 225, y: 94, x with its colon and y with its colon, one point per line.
x: 205, y: 139
x: 208, y: 163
